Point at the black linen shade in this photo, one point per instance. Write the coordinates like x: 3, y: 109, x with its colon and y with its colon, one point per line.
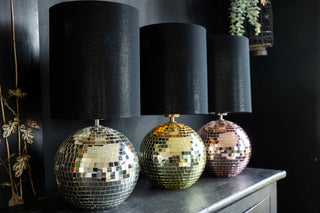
x: 229, y: 88
x: 173, y: 69
x: 94, y: 60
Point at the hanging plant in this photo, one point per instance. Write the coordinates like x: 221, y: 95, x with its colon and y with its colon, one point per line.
x: 241, y: 10
x: 259, y: 43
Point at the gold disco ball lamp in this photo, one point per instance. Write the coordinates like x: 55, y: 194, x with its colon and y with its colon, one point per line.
x: 172, y: 155
x: 173, y: 80
x: 229, y: 91
x: 94, y: 74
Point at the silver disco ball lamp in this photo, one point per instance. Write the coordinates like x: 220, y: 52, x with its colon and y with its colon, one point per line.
x: 96, y: 168
x: 94, y: 74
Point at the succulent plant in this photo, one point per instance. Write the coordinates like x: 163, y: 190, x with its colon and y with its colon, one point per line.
x: 240, y: 10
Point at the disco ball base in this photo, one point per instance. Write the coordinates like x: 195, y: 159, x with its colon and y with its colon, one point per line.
x: 172, y: 156
x: 96, y: 168
x: 228, y: 148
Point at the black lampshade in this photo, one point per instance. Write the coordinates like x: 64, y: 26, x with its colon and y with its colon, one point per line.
x: 229, y: 74
x: 173, y: 69
x: 94, y: 60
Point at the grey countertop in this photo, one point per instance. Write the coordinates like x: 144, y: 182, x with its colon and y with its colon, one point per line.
x: 207, y: 194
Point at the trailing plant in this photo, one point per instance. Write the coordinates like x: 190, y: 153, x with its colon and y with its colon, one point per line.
x: 241, y: 10
x: 21, y: 159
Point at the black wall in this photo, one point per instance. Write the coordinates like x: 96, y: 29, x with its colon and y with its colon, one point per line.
x: 285, y: 94
x: 284, y: 124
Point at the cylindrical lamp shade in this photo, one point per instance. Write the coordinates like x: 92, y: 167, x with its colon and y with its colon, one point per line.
x: 94, y: 60
x: 173, y: 69
x: 229, y: 87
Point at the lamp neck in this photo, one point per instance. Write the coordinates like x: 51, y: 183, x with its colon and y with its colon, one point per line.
x: 96, y: 122
x: 172, y: 116
x: 221, y: 116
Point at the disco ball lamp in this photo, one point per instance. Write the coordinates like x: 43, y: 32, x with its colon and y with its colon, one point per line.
x: 94, y: 75
x: 229, y: 91
x: 172, y: 156
x: 96, y: 168
x: 174, y: 72
x: 228, y: 148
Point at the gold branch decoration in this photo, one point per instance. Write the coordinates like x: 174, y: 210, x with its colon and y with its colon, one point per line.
x: 17, y: 92
x: 24, y: 135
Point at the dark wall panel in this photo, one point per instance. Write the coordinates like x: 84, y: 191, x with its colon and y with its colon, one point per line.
x: 284, y: 124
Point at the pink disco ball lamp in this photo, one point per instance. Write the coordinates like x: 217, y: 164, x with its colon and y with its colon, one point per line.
x: 227, y: 144
x: 228, y: 148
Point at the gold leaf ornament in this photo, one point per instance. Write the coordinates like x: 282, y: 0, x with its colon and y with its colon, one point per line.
x: 21, y: 164
x: 17, y: 92
x: 9, y: 128
x: 27, y: 134
x: 32, y: 124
